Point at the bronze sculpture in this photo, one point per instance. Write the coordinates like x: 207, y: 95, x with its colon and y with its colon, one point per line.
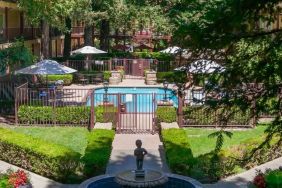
x: 139, y: 153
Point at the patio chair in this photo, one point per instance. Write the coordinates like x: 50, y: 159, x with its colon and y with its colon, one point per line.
x: 81, y: 78
x: 97, y: 78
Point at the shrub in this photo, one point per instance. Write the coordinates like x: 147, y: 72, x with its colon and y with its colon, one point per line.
x: 274, y: 179
x: 178, y: 152
x: 107, y: 75
x: 172, y: 77
x: 105, y: 114
x: 58, y: 115
x: 211, y: 167
x: 75, y: 115
x: 201, y: 115
x: 47, y: 159
x: 97, y: 152
x: 166, y: 114
x: 7, y: 107
x: 67, y: 78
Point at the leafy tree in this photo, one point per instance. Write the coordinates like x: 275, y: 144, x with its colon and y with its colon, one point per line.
x: 241, y: 36
x: 17, y: 55
x: 49, y: 13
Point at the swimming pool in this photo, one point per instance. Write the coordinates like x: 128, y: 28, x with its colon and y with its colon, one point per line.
x: 135, y: 99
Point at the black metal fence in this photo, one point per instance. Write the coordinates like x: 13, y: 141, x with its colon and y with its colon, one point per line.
x: 130, y: 66
x: 128, y: 112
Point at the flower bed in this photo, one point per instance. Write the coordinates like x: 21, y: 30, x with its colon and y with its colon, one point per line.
x: 14, y: 179
x: 269, y: 179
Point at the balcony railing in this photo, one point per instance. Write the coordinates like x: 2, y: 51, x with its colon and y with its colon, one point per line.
x: 10, y: 34
x: 77, y: 30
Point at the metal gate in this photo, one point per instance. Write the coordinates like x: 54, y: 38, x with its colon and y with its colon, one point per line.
x: 136, y: 67
x: 132, y: 113
x: 136, y: 113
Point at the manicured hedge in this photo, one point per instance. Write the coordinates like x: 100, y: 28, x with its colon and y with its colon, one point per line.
x: 58, y: 115
x: 166, y: 114
x: 199, y: 115
x: 172, y: 77
x: 97, y: 152
x: 105, y: 114
x: 75, y: 115
x: 47, y: 159
x: 178, y: 152
x: 67, y: 78
x: 211, y: 167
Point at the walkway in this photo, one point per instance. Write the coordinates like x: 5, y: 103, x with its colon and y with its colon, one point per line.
x: 242, y: 180
x: 122, y: 154
x: 36, y: 180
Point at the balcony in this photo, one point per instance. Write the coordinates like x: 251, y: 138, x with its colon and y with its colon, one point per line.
x: 10, y: 34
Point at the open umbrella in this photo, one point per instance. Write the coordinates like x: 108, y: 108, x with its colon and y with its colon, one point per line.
x: 201, y: 66
x: 46, y: 67
x: 204, y: 66
x: 172, y: 50
x: 88, y: 50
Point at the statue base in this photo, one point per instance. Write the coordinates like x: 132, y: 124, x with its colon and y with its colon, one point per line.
x: 139, y: 173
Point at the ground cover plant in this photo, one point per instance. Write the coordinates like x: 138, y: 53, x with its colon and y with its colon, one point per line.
x: 191, y: 152
x: 65, y: 154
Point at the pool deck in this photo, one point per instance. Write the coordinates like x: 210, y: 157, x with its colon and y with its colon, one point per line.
x: 80, y: 91
x: 124, y: 83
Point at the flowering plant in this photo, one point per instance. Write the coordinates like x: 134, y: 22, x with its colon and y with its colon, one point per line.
x: 14, y: 179
x: 259, y: 180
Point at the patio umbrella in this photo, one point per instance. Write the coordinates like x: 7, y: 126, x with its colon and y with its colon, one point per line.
x: 201, y: 66
x: 172, y: 50
x: 204, y: 66
x: 88, y: 50
x: 46, y: 67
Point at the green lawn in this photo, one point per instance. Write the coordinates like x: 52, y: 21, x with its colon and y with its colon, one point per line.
x: 75, y: 138
x: 200, y: 142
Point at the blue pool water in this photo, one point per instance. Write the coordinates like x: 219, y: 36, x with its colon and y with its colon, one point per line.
x: 136, y: 99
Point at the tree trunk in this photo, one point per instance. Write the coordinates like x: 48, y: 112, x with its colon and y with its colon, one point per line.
x: 104, y: 35
x: 45, y: 40
x: 67, y: 41
x: 88, y: 36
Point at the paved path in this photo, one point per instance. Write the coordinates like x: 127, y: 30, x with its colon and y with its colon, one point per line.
x: 122, y: 154
x: 242, y: 180
x: 36, y: 180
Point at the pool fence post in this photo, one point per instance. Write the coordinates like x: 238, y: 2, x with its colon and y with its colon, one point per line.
x: 92, y: 113
x: 180, y: 111
x: 16, y: 105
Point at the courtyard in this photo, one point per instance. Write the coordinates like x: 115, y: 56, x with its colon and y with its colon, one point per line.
x: 147, y: 94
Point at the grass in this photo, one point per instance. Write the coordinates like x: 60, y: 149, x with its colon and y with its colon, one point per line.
x: 200, y: 142
x: 74, y: 138
x: 92, y: 148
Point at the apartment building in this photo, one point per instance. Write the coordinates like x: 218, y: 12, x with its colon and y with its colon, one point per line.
x: 13, y: 24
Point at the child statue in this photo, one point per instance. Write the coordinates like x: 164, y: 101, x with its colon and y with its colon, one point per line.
x: 139, y: 154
